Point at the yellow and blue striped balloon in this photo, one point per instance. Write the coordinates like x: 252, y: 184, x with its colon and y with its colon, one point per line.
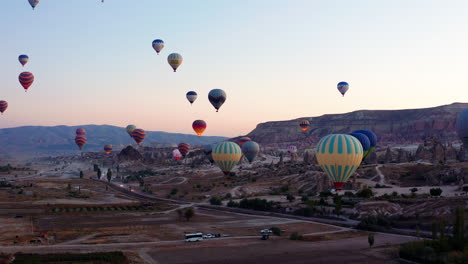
x: 226, y: 155
x: 339, y: 155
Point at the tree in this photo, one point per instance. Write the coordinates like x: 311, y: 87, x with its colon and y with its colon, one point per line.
x: 81, y: 174
x: 69, y: 187
x: 435, y: 229
x: 290, y: 197
x: 413, y: 190
x: 295, y: 236
x: 215, y: 201
x: 459, y: 227
x: 189, y: 213
x: 109, y: 175
x: 99, y: 174
x: 275, y: 230
x: 435, y: 191
x: 338, y: 204
x: 95, y: 167
x: 365, y: 193
x: 370, y: 239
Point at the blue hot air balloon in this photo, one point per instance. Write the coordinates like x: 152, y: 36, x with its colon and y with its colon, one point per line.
x: 250, y: 150
x: 372, y: 138
x: 365, y: 142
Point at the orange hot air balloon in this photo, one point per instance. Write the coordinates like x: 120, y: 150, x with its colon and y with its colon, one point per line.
x: 304, y: 125
x: 108, y: 149
x: 138, y: 135
x: 243, y: 140
x: 26, y: 79
x: 80, y: 141
x: 3, y: 106
x: 199, y: 126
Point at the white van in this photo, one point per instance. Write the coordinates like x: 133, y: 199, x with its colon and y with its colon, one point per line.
x: 193, y: 237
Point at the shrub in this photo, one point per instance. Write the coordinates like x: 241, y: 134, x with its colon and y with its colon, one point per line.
x: 365, y: 193
x: 295, y: 236
x: 435, y: 191
x: 231, y: 203
x: 275, y: 230
x: 174, y: 191
x: 215, y: 201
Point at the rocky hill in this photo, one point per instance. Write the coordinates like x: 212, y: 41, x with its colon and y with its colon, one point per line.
x: 59, y: 140
x: 393, y: 127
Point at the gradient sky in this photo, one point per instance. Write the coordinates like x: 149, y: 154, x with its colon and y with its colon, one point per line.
x: 277, y: 60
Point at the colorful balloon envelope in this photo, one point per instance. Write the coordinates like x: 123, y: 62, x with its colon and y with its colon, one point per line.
x: 292, y: 149
x: 250, y: 150
x: 199, y: 126
x: 462, y: 127
x: 176, y: 154
x: 80, y: 141
x: 26, y: 79
x: 80, y: 132
x: 343, y: 87
x: 191, y: 96
x: 3, y: 106
x: 372, y: 139
x: 33, y: 3
x: 217, y: 98
x: 175, y: 60
x: 108, y: 149
x: 226, y: 155
x: 243, y: 140
x: 304, y: 125
x: 138, y: 135
x: 158, y: 45
x: 339, y: 156
x: 130, y: 129
x: 363, y: 139
x: 184, y: 148
x: 208, y: 149
x: 23, y: 59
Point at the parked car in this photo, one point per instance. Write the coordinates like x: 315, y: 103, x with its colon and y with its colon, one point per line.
x: 209, y: 236
x: 266, y: 231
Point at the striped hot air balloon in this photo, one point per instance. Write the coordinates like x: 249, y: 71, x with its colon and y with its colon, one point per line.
x: 184, y: 148
x: 199, y: 126
x: 158, y: 45
x: 191, y: 96
x: 3, y: 106
x: 339, y: 156
x: 33, y: 3
x: 304, y: 125
x: 26, y: 79
x: 343, y: 87
x: 80, y: 132
x: 176, y: 154
x: 292, y: 149
x: 226, y: 155
x: 372, y: 139
x: 175, y: 60
x: 243, y: 140
x: 108, y: 149
x: 250, y: 150
x: 217, y: 98
x: 130, y: 129
x: 23, y: 59
x: 80, y: 141
x: 138, y: 135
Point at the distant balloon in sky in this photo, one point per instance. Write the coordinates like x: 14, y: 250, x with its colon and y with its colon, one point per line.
x: 130, y: 129
x: 33, y: 3
x: 462, y: 127
x: 304, y: 125
x: 199, y: 126
x: 23, y: 59
x: 217, y: 98
x: 339, y: 156
x: 26, y: 79
x: 243, y: 140
x: 80, y: 141
x: 158, y: 45
x: 191, y: 96
x: 175, y: 60
x: 250, y: 150
x: 80, y: 132
x: 108, y: 149
x: 184, y: 148
x: 343, y: 87
x: 3, y: 106
x: 176, y: 154
x: 138, y: 135
x: 226, y: 155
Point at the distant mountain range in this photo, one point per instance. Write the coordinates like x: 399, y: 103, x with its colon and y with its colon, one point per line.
x: 60, y: 140
x: 393, y: 127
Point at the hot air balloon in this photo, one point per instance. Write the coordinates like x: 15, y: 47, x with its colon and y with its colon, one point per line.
x: 26, y: 79
x: 199, y: 126
x: 191, y: 96
x: 243, y: 140
x: 364, y: 140
x: 108, y: 149
x: 184, y: 148
x: 33, y: 3
x: 226, y: 155
x: 80, y: 132
x: 462, y: 127
x: 130, y: 129
x: 23, y: 59
x: 158, y: 45
x: 372, y: 138
x: 343, y: 87
x: 174, y: 59
x: 217, y: 98
x: 176, y: 154
x: 138, y: 135
x: 250, y: 150
x: 3, y: 106
x: 80, y: 140
x: 292, y: 149
x: 339, y: 156
x: 207, y: 149
x: 304, y: 125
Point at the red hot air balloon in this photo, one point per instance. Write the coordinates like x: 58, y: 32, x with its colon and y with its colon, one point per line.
x: 26, y: 79
x: 80, y: 132
x: 184, y: 148
x: 108, y: 149
x: 242, y: 140
x: 3, y: 106
x: 138, y: 135
x: 80, y: 140
x: 199, y: 126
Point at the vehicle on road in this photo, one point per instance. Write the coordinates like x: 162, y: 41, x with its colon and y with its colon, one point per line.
x: 209, y: 236
x: 195, y: 237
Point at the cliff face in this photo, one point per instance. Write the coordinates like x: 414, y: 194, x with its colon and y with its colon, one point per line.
x: 392, y: 127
